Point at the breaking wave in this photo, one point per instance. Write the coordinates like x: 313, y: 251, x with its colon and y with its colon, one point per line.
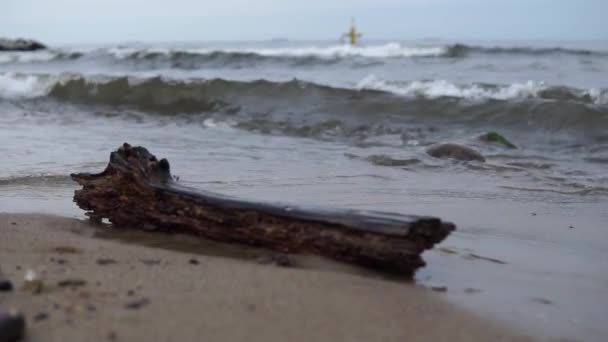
x: 192, y: 58
x: 302, y: 108
x: 481, y: 91
x: 116, y: 90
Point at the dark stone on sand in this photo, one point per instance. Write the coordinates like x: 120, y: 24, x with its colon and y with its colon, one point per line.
x: 193, y: 261
x: 72, y: 283
x: 12, y: 326
x: 137, y: 304
x: 5, y: 285
x: 20, y: 45
x: 440, y: 288
x: 67, y: 250
x: 41, y: 316
x: 59, y: 261
x: 455, y: 151
x: 105, y: 261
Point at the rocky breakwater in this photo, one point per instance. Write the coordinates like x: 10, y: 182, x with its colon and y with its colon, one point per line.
x: 20, y: 45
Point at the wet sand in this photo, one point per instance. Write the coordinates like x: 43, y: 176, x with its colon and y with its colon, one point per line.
x: 103, y: 289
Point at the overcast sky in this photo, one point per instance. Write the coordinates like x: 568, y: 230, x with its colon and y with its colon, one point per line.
x: 105, y: 21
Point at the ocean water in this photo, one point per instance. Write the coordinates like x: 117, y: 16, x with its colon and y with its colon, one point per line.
x: 326, y: 124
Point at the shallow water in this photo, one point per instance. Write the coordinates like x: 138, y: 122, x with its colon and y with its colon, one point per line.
x: 351, y: 131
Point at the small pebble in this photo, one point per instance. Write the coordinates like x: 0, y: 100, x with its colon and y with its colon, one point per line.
x: 71, y: 283
x: 130, y: 293
x: 193, y: 261
x: 14, y: 223
x: 105, y: 261
x: 33, y: 283
x: 439, y: 288
x: 12, y: 326
x: 137, y: 304
x: 67, y: 250
x: 571, y: 227
x: 6, y: 285
x: 533, y: 214
x: 41, y: 316
x: 59, y: 261
x: 91, y: 308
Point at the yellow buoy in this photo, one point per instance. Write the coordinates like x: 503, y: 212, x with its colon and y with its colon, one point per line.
x: 352, y: 34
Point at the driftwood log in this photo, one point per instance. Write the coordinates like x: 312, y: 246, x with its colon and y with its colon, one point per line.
x: 137, y: 190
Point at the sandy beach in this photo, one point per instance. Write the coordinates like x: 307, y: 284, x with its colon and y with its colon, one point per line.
x: 98, y: 289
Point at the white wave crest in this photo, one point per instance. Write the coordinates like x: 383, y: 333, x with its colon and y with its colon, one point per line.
x: 440, y: 88
x: 27, y: 57
x: 599, y: 96
x: 14, y: 85
x: 389, y: 50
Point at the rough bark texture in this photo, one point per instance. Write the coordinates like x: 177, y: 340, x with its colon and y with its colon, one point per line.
x: 137, y: 190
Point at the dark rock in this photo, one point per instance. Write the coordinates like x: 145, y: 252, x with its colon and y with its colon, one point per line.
x: 440, y: 288
x: 5, y: 285
x: 105, y: 261
x: 12, y: 326
x: 137, y: 304
x: 454, y: 151
x: 41, y: 316
x: 20, y: 45
x: 131, y: 293
x: 67, y: 250
x: 193, y: 261
x: 72, y: 283
x: 59, y: 261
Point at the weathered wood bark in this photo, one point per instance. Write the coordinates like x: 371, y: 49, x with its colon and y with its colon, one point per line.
x: 137, y: 190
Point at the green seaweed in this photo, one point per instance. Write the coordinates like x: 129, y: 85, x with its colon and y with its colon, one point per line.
x: 497, y: 138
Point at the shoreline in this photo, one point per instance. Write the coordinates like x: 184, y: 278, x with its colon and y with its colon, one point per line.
x: 135, y: 292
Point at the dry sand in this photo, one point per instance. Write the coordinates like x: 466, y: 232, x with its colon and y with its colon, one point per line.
x: 141, y: 293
